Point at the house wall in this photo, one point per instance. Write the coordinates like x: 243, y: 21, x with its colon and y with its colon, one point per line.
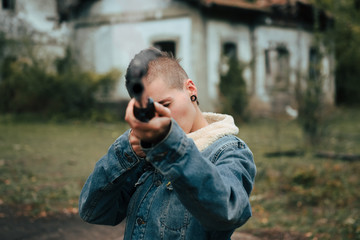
x: 298, y: 43
x: 30, y: 15
x: 40, y: 14
x: 219, y: 32
x: 199, y: 57
x: 111, y: 32
x: 113, y: 46
x: 35, y: 19
x: 130, y: 27
x: 114, y: 7
x: 251, y: 46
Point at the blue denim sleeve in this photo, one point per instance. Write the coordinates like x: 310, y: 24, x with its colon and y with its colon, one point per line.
x: 216, y: 191
x: 106, y: 193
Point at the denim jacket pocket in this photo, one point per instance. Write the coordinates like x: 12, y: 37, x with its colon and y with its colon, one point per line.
x: 174, y: 216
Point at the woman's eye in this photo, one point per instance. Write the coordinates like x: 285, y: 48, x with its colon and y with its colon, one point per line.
x: 166, y: 104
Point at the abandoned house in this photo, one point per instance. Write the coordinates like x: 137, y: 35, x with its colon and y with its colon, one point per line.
x: 273, y: 38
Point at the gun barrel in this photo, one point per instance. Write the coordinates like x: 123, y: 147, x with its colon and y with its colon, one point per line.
x: 144, y: 109
x: 137, y: 90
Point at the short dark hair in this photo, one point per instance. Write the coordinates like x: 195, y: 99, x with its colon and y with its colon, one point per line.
x: 151, y: 63
x: 138, y: 66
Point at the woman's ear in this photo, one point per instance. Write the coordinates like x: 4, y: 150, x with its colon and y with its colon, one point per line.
x: 190, y: 87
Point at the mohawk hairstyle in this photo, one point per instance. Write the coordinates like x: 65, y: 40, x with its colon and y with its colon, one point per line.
x: 152, y: 64
x: 139, y: 65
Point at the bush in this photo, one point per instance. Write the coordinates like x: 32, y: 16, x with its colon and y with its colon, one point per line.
x: 234, y: 97
x: 311, y: 111
x: 312, y: 106
x: 28, y: 86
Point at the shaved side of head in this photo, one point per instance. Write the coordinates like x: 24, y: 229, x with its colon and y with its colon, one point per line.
x: 168, y: 69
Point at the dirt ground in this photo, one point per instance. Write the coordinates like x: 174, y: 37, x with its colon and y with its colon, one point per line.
x: 61, y: 227
x: 71, y: 227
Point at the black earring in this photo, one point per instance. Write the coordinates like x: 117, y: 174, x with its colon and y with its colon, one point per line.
x: 193, y: 98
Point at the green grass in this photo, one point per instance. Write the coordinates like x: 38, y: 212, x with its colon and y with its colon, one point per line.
x: 44, y: 165
x: 317, y: 197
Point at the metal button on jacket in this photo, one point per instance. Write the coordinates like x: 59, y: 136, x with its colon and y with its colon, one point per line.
x: 157, y: 183
x: 140, y: 221
x: 129, y: 158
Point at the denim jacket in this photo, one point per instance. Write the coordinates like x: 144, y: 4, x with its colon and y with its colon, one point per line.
x: 181, y: 190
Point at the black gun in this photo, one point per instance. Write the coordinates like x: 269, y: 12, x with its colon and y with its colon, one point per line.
x: 136, y: 71
x: 146, y: 111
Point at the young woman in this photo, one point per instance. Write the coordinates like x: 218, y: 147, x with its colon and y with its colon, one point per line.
x: 182, y: 175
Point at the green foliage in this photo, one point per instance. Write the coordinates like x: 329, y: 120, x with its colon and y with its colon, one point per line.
x: 3, y: 43
x: 311, y: 99
x: 311, y: 110
x: 346, y: 34
x: 233, y: 93
x: 29, y: 85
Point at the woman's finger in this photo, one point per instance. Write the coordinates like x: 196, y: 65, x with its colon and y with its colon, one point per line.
x: 135, y: 144
x: 162, y: 111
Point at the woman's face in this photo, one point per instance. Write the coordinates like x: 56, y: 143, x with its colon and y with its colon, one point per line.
x: 183, y: 110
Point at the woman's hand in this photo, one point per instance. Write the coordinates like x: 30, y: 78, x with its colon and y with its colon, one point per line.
x: 153, y: 131
x: 135, y: 144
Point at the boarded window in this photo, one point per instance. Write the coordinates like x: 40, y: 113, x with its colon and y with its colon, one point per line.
x: 277, y: 65
x: 229, y: 49
x: 166, y: 46
x: 282, y: 77
x: 8, y: 4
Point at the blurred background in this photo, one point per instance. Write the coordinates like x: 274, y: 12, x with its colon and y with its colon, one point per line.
x: 287, y: 70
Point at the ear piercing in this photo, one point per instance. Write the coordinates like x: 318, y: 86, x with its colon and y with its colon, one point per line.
x: 193, y: 98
